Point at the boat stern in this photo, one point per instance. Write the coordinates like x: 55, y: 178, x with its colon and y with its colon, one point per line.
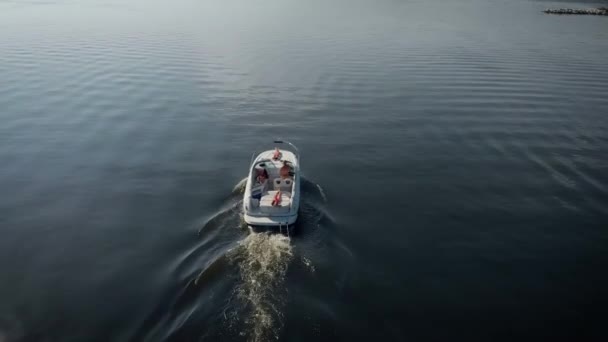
x: 270, y: 221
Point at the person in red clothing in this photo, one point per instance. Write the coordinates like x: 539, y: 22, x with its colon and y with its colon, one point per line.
x: 277, y: 199
x: 262, y: 175
x: 277, y: 154
x: 285, y: 170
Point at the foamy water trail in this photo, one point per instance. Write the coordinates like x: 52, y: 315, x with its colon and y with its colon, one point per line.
x: 239, y: 188
x: 263, y: 260
x: 309, y: 265
x: 321, y: 192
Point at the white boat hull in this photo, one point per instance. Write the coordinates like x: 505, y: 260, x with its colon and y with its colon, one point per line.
x: 259, y: 207
x: 270, y: 221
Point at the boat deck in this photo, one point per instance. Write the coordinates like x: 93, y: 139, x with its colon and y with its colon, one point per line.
x: 260, y: 209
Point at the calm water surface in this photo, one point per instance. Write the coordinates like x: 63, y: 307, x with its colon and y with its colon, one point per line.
x: 455, y: 156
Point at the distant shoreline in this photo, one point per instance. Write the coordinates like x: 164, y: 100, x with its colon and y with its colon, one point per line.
x: 572, y: 11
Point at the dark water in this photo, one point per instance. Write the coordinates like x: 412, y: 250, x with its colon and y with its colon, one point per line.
x: 455, y: 156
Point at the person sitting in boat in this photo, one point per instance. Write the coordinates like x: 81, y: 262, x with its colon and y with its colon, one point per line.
x: 262, y: 175
x: 285, y: 171
x: 277, y: 154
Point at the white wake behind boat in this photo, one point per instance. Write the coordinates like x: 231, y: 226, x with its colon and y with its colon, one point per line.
x: 272, y: 193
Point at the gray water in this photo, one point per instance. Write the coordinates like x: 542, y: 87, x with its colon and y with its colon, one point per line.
x: 454, y: 155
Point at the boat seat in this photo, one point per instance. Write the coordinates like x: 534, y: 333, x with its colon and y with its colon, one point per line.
x: 266, y: 203
x: 257, y: 190
x: 283, y: 184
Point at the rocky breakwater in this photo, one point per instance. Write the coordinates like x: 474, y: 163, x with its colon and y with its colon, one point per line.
x: 584, y: 11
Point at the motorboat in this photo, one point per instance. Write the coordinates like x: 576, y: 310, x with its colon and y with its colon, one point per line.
x: 272, y: 192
